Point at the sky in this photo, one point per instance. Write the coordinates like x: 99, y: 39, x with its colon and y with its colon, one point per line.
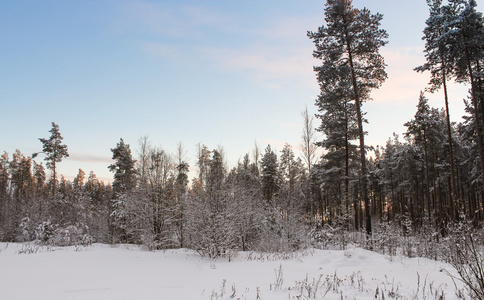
x: 219, y: 73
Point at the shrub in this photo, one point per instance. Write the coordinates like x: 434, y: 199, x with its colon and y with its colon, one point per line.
x: 466, y: 256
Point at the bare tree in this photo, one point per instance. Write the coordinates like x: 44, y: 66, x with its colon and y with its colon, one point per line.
x: 181, y: 153
x: 308, y: 144
x: 144, y: 156
x: 256, y: 155
x: 203, y: 158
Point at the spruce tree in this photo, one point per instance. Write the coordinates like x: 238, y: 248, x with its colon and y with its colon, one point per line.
x: 288, y: 167
x: 123, y: 168
x: 423, y: 133
x: 203, y: 163
x: 124, y: 182
x: 216, y: 173
x: 270, y: 175
x: 349, y: 47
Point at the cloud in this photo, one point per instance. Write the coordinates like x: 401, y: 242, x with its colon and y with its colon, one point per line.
x: 403, y: 86
x: 273, y: 65
x: 403, y: 83
x: 291, y: 29
x: 90, y: 158
x: 176, y: 21
x: 159, y: 50
x: 276, y: 53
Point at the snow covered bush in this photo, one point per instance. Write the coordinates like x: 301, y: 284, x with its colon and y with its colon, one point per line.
x: 148, y: 220
x: 50, y: 234
x: 324, y: 237
x: 386, y: 237
x: 212, y: 230
x: 466, y: 255
x: 71, y: 235
x: 26, y: 231
x: 45, y: 231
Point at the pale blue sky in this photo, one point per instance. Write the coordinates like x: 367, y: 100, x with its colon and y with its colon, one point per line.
x: 213, y: 72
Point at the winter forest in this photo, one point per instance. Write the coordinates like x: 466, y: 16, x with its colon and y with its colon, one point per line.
x: 420, y: 195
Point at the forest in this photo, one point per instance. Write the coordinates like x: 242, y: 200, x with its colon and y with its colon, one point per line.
x: 417, y: 190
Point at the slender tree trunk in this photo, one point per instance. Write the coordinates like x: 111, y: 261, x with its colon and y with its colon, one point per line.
x: 357, y: 213
x: 363, y: 175
x: 480, y: 92
x: 393, y: 206
x: 427, y: 179
x: 476, y: 111
x: 54, y: 176
x: 347, y: 162
x: 452, y: 212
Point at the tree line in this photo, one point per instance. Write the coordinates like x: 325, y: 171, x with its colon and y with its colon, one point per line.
x: 277, y: 200
x: 437, y: 171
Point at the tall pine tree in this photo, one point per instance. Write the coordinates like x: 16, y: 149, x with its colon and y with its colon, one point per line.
x: 440, y: 64
x: 349, y: 47
x: 464, y: 37
x: 54, y: 150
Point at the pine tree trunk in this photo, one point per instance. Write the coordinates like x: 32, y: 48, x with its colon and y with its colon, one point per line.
x: 363, y: 175
x: 347, y: 162
x: 476, y: 111
x: 53, y: 177
x: 393, y: 192
x: 427, y: 179
x: 451, y: 211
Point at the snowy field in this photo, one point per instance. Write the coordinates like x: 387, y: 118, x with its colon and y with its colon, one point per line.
x: 128, y: 272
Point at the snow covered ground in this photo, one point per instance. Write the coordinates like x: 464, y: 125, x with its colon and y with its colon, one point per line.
x: 128, y: 272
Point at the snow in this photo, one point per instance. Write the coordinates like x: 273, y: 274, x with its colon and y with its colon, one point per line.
x: 129, y: 272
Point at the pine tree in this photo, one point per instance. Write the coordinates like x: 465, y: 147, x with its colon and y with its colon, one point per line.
x: 39, y: 176
x: 471, y: 162
x: 339, y: 127
x: 21, y: 177
x: 441, y: 64
x: 92, y: 187
x: 54, y: 150
x: 464, y: 38
x: 79, y: 180
x: 4, y: 192
x: 349, y: 47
